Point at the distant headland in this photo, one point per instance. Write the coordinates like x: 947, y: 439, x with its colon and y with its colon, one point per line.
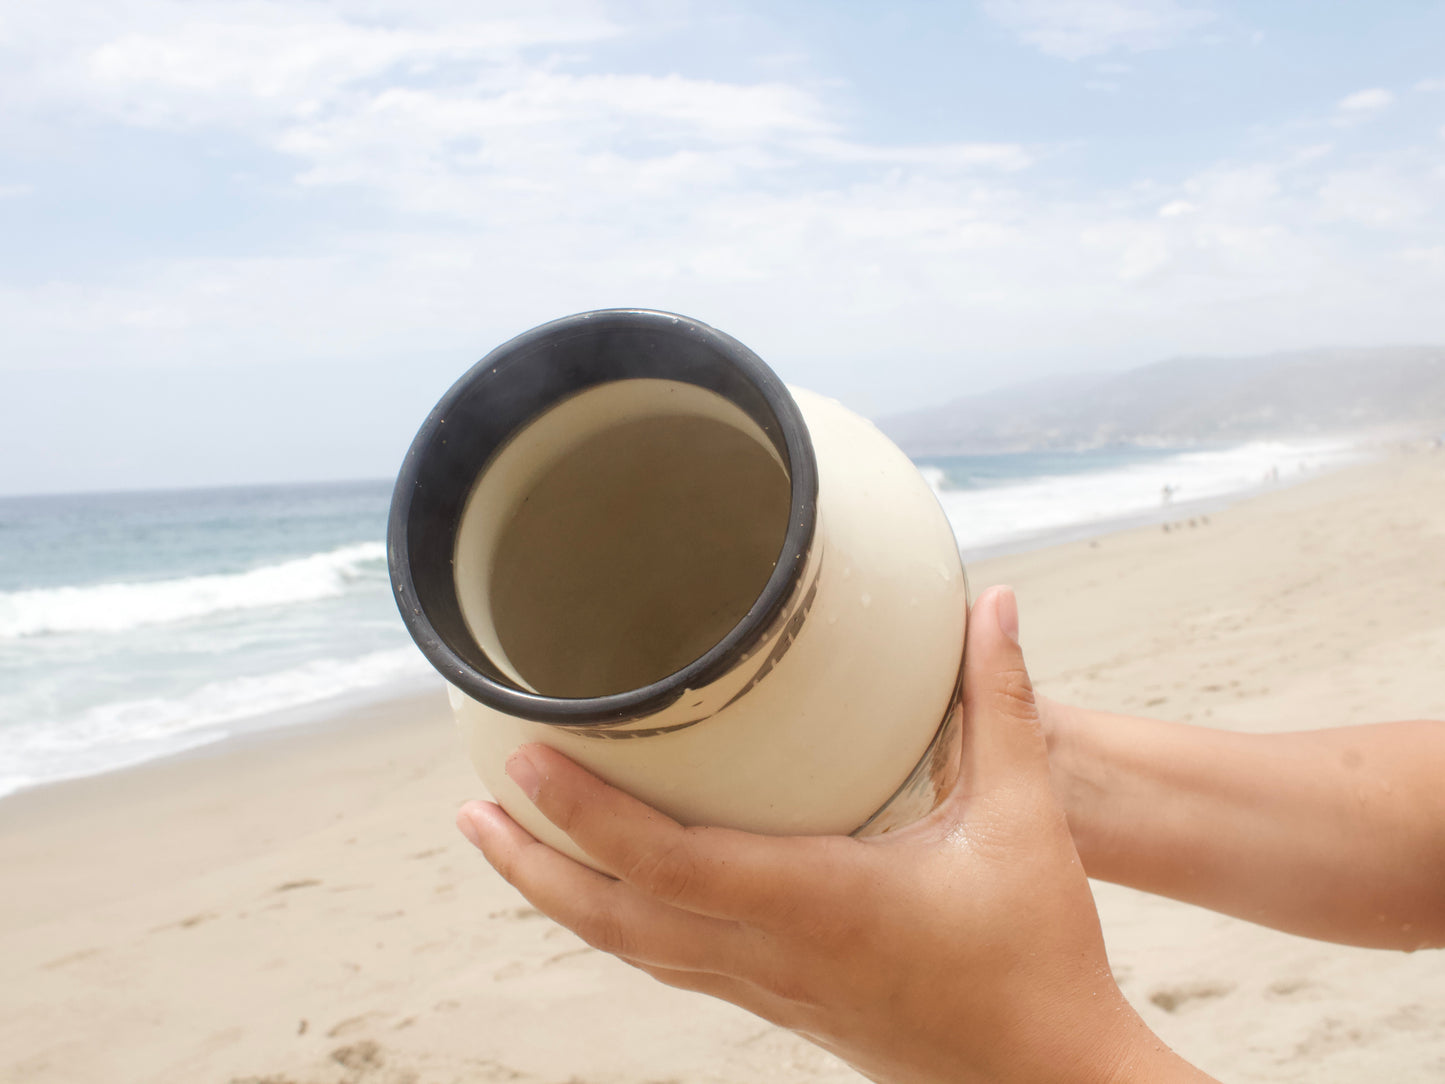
x: 1193, y: 401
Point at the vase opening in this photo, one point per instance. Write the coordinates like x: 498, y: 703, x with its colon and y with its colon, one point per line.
x: 603, y: 513
x: 619, y: 536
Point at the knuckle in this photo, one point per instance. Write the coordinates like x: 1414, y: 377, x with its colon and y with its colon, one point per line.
x: 604, y: 930
x: 666, y: 873
x: 506, y: 864
x: 1013, y: 693
x: 787, y: 985
x: 564, y: 810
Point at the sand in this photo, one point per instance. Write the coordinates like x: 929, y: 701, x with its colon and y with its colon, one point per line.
x: 297, y: 908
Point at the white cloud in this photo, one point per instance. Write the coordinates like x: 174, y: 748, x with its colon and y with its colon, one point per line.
x: 1429, y: 85
x: 511, y: 183
x: 280, y: 61
x: 1379, y: 196
x: 1366, y: 101
x: 493, y: 130
x: 1075, y: 29
x: 1432, y: 257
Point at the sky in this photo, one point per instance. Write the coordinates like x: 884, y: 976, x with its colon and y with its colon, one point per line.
x: 255, y: 241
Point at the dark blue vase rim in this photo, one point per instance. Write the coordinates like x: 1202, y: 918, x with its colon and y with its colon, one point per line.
x: 498, y: 397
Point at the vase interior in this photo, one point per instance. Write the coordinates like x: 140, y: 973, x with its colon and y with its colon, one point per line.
x: 619, y: 536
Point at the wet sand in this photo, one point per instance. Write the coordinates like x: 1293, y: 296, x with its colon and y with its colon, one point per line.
x: 297, y: 908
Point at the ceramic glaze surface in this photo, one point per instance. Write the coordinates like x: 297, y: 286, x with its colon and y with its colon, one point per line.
x: 847, y: 701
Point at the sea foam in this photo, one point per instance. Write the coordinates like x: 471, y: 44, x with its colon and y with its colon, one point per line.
x: 115, y: 734
x: 1017, y: 512
x: 117, y: 607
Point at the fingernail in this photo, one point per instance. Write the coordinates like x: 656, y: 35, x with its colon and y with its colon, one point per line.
x: 1007, y: 610
x: 467, y: 824
x: 524, y: 773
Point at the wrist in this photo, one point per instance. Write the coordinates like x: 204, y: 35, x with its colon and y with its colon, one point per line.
x: 1102, y: 1039
x: 1062, y: 725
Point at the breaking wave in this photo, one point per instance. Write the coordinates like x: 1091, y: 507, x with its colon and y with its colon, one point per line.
x: 113, y: 735
x: 117, y: 607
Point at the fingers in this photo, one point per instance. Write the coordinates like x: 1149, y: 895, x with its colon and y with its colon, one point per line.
x: 609, y: 915
x: 710, y: 871
x: 1003, y: 742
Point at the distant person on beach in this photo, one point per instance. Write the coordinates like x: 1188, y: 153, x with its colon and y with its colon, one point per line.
x: 967, y: 946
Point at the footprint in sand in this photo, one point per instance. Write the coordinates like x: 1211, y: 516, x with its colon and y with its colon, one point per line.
x: 494, y: 1070
x: 509, y: 971
x: 1330, y: 1035
x: 352, y: 1024
x: 1288, y: 987
x: 1172, y: 998
x: 291, y: 886
x: 583, y: 950
x: 516, y: 913
x: 72, y: 958
x: 187, y: 923
x: 362, y: 1057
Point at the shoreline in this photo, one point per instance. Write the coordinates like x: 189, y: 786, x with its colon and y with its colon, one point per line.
x: 334, y: 711
x: 354, y: 716
x: 215, y: 740
x: 295, y: 905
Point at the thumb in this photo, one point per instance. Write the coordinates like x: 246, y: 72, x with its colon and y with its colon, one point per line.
x: 1003, y: 742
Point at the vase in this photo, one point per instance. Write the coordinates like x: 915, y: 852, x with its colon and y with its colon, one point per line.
x: 621, y: 535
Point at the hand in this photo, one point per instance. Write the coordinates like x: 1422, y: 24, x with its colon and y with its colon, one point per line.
x: 963, y: 947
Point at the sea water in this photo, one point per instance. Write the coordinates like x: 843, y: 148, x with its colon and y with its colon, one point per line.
x: 999, y: 503
x: 135, y: 625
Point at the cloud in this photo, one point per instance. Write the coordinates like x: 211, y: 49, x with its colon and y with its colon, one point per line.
x: 508, y: 172
x: 1429, y: 85
x: 1381, y: 195
x: 1075, y: 29
x: 268, y: 61
x: 481, y: 122
x: 1363, y: 102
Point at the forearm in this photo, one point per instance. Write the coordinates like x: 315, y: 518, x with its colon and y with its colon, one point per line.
x: 1335, y: 834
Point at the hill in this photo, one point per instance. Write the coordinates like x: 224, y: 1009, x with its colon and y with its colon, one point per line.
x: 1192, y: 400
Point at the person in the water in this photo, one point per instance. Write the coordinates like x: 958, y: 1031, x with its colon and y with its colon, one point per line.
x: 967, y: 946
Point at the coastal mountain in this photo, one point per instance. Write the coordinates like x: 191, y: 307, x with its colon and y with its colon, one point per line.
x: 1194, y: 400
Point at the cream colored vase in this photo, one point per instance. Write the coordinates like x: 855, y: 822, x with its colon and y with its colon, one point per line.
x: 620, y: 535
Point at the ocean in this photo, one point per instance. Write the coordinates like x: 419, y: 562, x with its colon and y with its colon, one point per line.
x: 136, y: 625
x: 1009, y: 502
x: 133, y: 625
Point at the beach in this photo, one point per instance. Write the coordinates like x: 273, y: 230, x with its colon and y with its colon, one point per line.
x: 295, y: 906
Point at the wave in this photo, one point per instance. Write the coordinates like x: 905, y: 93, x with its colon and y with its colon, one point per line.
x: 1014, y: 511
x: 120, y: 733
x: 118, y: 607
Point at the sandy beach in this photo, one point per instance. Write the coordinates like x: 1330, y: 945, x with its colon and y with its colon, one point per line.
x: 297, y: 908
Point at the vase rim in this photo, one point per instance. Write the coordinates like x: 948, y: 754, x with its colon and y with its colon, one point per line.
x: 521, y: 379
